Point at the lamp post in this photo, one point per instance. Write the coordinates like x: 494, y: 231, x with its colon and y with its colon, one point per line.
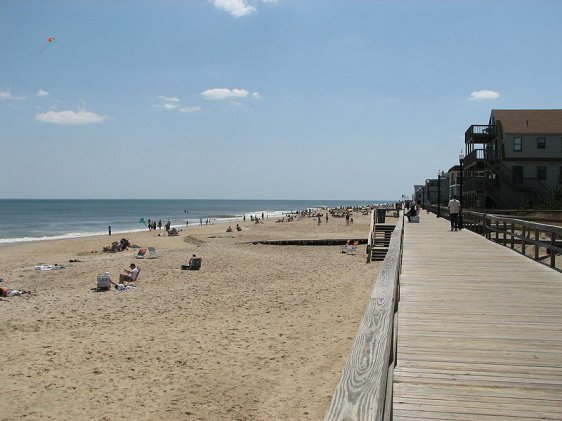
x: 461, y: 180
x: 439, y: 194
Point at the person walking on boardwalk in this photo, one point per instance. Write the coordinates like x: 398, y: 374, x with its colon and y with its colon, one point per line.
x: 454, y: 210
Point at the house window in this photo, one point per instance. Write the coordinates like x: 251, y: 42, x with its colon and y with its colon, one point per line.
x: 541, y: 142
x: 517, y: 144
x: 541, y: 173
x: 517, y: 174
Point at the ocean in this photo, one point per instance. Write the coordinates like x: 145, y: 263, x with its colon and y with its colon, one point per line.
x: 38, y: 219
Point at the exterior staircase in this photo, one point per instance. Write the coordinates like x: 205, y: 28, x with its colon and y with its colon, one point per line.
x: 380, y: 241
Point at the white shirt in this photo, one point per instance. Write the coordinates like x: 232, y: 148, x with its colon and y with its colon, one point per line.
x: 454, y: 206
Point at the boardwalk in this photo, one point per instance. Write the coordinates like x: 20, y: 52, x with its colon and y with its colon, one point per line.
x: 479, y: 330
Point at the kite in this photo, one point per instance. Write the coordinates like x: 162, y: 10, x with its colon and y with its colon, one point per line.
x: 50, y: 40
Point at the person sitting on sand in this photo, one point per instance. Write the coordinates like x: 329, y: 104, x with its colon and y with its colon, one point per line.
x: 229, y: 229
x: 131, y: 275
x: 194, y: 263
x: 238, y: 228
x: 173, y: 232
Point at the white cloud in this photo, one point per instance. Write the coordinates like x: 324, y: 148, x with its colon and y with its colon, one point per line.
x: 221, y: 94
x: 483, y: 95
x: 190, y: 109
x: 169, y: 98
x: 236, y: 8
x: 42, y: 93
x: 168, y: 102
x: 70, y: 117
x: 8, y: 96
x: 224, y: 93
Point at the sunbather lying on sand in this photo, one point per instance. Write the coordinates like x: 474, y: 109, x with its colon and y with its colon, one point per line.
x: 7, y: 292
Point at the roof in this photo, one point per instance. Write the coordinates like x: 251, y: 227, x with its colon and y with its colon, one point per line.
x: 529, y: 121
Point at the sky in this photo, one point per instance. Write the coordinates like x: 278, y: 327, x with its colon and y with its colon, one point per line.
x: 259, y: 99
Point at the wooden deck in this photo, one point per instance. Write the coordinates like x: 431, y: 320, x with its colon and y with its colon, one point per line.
x: 479, y: 330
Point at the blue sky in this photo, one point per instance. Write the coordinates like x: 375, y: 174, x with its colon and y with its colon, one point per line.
x: 255, y: 99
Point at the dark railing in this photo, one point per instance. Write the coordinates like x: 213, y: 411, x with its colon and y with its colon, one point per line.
x: 482, y: 132
x: 481, y: 155
x: 540, y: 242
x: 365, y: 389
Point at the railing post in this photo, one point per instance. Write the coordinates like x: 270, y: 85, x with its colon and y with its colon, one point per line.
x: 504, y: 233
x: 536, y: 244
x: 497, y: 230
x: 552, y: 253
x: 512, y: 235
x: 523, y: 237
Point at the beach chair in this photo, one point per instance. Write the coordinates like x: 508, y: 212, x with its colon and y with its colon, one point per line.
x: 353, y: 248
x: 140, y: 254
x: 131, y: 280
x: 152, y: 253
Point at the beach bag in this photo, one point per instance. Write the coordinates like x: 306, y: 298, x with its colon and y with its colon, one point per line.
x: 103, y: 281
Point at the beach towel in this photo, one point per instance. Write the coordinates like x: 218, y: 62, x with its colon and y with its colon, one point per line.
x: 48, y: 267
x: 124, y: 288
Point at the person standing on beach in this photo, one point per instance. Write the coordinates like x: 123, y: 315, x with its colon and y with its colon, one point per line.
x: 160, y: 224
x: 109, y: 229
x: 454, y: 210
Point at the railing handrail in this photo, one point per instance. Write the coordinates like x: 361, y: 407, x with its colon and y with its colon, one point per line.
x: 487, y: 224
x: 371, y: 235
x: 364, y: 390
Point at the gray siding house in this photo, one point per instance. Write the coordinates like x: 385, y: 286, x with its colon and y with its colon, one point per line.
x: 514, y: 161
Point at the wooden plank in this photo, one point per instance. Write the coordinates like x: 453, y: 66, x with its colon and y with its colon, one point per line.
x: 480, y: 330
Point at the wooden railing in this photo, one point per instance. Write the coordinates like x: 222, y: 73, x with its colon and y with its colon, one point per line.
x: 371, y: 236
x: 519, y: 235
x: 480, y: 132
x: 364, y: 391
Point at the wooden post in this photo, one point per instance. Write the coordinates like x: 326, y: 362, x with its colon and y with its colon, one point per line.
x: 512, y: 235
x: 552, y: 252
x: 497, y: 230
x: 504, y: 233
x: 536, y: 244
x: 523, y: 237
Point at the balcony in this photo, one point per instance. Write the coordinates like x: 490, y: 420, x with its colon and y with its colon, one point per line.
x: 480, y: 155
x: 481, y: 183
x: 480, y: 133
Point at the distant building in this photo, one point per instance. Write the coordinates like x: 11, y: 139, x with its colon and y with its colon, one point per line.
x: 454, y: 178
x: 513, y: 161
x: 432, y: 190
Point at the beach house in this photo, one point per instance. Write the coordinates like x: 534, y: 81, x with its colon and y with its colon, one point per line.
x: 514, y: 160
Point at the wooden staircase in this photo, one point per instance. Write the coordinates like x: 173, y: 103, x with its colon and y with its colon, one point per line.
x: 380, y: 241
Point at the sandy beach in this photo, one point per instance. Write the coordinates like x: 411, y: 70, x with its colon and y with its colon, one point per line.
x: 261, y: 332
